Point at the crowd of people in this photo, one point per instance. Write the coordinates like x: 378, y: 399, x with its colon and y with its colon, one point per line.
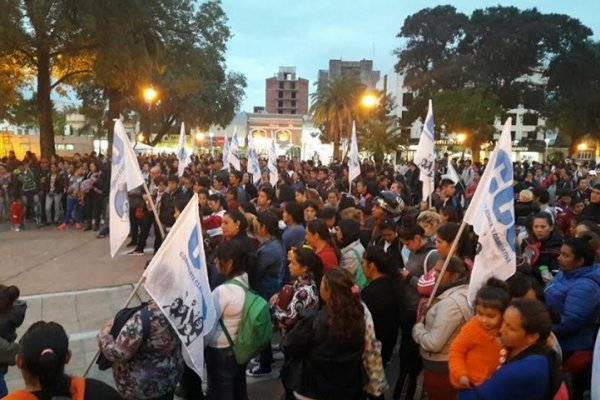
x: 343, y: 267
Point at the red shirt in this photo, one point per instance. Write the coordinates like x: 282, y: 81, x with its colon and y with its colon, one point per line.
x: 329, y: 258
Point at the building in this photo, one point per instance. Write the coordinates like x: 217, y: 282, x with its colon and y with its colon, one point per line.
x: 392, y: 84
x: 363, y: 70
x: 286, y: 93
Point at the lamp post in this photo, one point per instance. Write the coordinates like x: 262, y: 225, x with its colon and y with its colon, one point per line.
x: 150, y: 94
x: 460, y: 138
x: 547, y: 141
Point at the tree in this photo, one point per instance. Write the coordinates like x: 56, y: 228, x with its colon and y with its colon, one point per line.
x: 334, y: 107
x: 574, y: 92
x: 380, y: 137
x: 474, y: 116
x: 48, y: 39
x: 500, y: 50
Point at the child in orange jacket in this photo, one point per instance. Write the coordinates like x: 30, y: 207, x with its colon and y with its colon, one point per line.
x: 475, y: 353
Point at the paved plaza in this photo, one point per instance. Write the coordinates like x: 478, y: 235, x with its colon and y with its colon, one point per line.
x: 69, y: 277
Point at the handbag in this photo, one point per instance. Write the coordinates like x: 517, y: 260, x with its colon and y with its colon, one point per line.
x: 374, y: 379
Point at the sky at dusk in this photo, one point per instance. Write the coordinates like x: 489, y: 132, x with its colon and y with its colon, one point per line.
x: 307, y: 33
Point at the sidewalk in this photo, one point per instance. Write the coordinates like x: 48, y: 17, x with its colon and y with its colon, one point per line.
x: 69, y: 277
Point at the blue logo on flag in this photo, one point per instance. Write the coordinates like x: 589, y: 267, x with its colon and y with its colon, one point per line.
x: 504, y: 197
x: 194, y: 248
x: 118, y: 150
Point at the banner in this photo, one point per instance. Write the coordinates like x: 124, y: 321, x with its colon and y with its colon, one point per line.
x: 425, y: 156
x: 125, y: 175
x: 233, y: 151
x: 182, y: 154
x: 177, y: 281
x: 492, y: 214
x: 452, y: 174
x: 273, y: 173
x: 353, y: 163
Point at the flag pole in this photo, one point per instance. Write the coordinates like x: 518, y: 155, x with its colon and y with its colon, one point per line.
x: 153, y: 207
x: 127, y: 302
x: 453, y: 248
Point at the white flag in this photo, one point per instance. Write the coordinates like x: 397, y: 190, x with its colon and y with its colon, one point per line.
x: 226, y: 152
x: 596, y: 371
x: 125, y: 175
x: 492, y: 215
x: 177, y: 281
x: 182, y: 154
x: 273, y: 173
x: 353, y: 164
x: 424, y: 156
x: 253, y: 165
x: 451, y: 173
x: 233, y: 151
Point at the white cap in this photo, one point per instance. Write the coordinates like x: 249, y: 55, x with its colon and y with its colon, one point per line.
x: 592, y: 172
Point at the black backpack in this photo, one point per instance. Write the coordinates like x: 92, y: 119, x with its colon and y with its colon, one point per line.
x: 121, y: 318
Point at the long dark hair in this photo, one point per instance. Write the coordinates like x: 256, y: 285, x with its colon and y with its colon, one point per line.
x: 319, y: 227
x: 44, y: 351
x: 381, y: 260
x: 350, y: 231
x: 534, y: 317
x: 345, y: 311
x: 233, y: 250
x: 271, y: 223
x: 309, y: 259
x: 449, y: 232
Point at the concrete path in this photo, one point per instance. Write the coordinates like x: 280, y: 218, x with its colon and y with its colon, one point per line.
x: 69, y: 277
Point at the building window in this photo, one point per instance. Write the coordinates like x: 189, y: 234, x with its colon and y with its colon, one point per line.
x: 292, y: 85
x: 280, y: 95
x: 293, y: 112
x: 280, y: 85
x: 530, y: 119
x: 67, y: 146
x: 280, y: 103
x: 280, y: 111
x: 293, y: 95
x: 294, y: 103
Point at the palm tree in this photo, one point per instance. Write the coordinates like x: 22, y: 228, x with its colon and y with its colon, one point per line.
x: 334, y: 107
x: 380, y: 137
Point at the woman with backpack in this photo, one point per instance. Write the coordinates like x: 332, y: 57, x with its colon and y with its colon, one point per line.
x: 147, y: 362
x: 44, y: 352
x: 225, y: 377
x: 527, y: 368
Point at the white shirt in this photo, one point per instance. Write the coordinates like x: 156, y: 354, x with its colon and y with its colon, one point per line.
x: 228, y: 299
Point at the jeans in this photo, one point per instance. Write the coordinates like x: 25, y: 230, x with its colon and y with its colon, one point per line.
x: 31, y: 202
x: 73, y: 210
x: 226, y: 378
x: 3, y: 387
x: 56, y: 201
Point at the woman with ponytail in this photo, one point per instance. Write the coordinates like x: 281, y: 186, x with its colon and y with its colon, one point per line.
x: 329, y: 345
x: 42, y: 358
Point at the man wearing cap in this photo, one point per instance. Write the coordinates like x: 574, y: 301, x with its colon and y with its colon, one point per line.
x: 592, y: 178
x: 592, y: 211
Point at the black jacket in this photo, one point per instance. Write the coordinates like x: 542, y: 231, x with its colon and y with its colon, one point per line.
x: 330, y: 368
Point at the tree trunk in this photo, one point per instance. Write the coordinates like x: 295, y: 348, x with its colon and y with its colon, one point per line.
x: 115, y: 100
x: 164, y: 129
x: 44, y: 104
x: 475, y: 146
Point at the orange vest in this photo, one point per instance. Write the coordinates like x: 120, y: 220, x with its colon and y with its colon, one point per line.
x: 77, y: 391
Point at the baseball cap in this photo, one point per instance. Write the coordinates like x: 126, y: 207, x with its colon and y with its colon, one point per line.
x: 592, y: 172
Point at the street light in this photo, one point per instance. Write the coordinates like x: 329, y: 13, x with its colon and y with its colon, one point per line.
x: 369, y: 100
x: 140, y: 138
x: 582, y: 146
x: 199, y: 136
x: 150, y: 95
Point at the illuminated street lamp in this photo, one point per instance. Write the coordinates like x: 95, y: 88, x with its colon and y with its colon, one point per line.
x: 150, y: 95
x: 140, y: 138
x: 199, y: 136
x: 582, y: 146
x: 369, y: 100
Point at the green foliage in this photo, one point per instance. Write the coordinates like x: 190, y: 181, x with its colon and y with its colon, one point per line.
x: 335, y: 105
x: 380, y: 137
x: 574, y: 91
x: 499, y: 50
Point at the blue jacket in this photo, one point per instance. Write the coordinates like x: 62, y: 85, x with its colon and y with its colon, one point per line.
x: 527, y: 378
x: 268, y: 261
x: 576, y: 295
